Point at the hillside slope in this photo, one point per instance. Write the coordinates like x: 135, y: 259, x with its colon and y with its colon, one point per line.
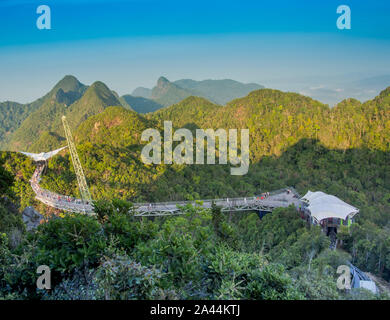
x: 115, y: 126
x: 66, y: 91
x: 46, y: 120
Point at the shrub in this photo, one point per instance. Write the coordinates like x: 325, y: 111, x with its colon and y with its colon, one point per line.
x: 80, y: 286
x: 230, y: 270
x: 231, y: 289
x: 181, y: 248
x: 128, y: 231
x: 69, y: 243
x: 175, y: 255
x: 317, y: 286
x: 271, y: 283
x: 17, y: 271
x: 227, y: 263
x: 121, y: 278
x: 10, y: 218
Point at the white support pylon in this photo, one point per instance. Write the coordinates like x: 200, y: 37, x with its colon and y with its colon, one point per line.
x: 83, y: 187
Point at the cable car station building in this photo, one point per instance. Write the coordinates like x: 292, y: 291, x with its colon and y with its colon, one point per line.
x: 327, y: 210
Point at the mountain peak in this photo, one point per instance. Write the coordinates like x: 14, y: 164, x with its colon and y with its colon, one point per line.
x: 68, y: 83
x: 99, y: 85
x: 162, y: 81
x: 70, y: 77
x: 99, y: 93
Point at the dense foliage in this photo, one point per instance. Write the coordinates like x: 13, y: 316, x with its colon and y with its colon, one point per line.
x: 119, y: 256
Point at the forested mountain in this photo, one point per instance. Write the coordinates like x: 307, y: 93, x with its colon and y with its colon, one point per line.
x: 43, y: 128
x: 277, y: 120
x: 37, y: 125
x: 115, y: 126
x: 66, y: 91
x: 191, y: 110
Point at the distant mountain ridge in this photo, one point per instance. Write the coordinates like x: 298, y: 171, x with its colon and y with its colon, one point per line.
x: 140, y: 104
x: 142, y: 92
x: 167, y: 93
x: 219, y: 91
x: 37, y: 126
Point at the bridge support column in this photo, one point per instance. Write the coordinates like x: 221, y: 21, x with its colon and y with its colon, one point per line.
x: 262, y: 214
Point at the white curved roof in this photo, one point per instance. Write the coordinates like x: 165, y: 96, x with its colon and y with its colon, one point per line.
x: 323, y: 206
x: 43, y: 156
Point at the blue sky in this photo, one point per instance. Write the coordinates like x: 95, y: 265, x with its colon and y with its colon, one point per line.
x: 291, y: 45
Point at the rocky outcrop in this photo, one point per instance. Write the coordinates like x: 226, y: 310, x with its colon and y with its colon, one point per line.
x: 31, y: 218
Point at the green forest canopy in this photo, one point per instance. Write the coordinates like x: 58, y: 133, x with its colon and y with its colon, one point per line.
x: 295, y: 141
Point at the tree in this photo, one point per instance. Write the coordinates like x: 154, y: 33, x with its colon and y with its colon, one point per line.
x: 6, y: 180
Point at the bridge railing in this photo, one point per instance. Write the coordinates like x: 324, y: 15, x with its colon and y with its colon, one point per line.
x: 216, y: 201
x: 62, y: 202
x: 194, y: 202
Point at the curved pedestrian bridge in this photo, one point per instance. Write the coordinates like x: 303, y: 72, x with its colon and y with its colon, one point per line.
x: 262, y: 203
